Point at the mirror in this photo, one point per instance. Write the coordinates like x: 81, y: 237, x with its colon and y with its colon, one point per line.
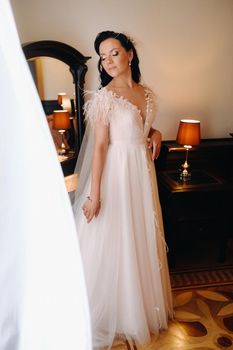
x: 57, y: 68
x: 51, y: 75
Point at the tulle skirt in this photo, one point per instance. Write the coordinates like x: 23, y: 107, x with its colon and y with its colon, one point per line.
x: 124, y: 251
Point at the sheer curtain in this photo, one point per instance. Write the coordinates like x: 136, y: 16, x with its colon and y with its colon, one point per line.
x: 43, y: 295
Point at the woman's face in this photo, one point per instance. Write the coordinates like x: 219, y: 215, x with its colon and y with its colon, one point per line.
x: 114, y: 58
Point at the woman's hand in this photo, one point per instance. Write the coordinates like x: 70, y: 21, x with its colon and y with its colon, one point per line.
x: 154, y: 142
x: 91, y: 208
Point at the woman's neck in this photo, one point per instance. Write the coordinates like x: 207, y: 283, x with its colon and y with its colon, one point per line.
x: 117, y: 83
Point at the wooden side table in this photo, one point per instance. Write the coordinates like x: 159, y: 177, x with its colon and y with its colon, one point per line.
x: 198, y: 208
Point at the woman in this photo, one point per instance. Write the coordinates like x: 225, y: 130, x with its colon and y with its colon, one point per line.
x: 121, y: 231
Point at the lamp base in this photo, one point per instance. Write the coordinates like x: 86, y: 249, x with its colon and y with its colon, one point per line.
x: 63, y: 147
x: 185, y: 175
x: 62, y: 158
x: 62, y: 151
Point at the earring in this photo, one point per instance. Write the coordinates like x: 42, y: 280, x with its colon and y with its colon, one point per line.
x: 129, y: 63
x: 101, y: 67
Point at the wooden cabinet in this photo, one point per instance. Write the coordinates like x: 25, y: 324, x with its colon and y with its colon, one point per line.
x: 201, y: 208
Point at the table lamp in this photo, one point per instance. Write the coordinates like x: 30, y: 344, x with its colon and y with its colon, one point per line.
x: 188, y: 135
x: 61, y: 122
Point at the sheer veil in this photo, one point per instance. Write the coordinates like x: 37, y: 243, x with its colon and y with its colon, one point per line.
x: 83, y: 166
x: 97, y: 108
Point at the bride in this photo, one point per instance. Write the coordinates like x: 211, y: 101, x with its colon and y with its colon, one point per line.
x: 116, y: 208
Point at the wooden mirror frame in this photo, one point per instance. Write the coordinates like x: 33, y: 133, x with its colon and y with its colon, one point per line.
x: 78, y: 68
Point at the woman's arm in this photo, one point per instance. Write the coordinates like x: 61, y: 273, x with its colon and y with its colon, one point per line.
x: 91, y: 206
x: 154, y: 142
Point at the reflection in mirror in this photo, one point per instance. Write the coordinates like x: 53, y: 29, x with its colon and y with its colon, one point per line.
x: 59, y: 68
x: 52, y: 76
x: 61, y: 123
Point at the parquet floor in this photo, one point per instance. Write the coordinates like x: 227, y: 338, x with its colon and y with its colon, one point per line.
x: 203, y: 321
x: 203, y: 312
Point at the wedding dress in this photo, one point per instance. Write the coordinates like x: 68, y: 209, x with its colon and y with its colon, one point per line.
x: 123, y: 249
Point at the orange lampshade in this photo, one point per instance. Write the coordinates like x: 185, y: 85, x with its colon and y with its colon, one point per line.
x: 189, y: 132
x: 61, y: 120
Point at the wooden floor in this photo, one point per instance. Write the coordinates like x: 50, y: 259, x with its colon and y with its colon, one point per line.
x: 203, y: 321
x: 203, y: 314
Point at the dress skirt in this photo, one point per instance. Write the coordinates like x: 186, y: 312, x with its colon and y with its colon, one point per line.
x: 124, y: 251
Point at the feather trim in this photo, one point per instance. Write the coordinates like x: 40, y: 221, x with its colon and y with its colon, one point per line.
x: 98, y: 108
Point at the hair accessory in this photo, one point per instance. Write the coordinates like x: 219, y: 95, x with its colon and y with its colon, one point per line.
x: 117, y: 34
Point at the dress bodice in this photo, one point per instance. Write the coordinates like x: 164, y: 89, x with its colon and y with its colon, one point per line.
x: 125, y: 120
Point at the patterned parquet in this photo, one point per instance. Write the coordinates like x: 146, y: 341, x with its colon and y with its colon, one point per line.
x: 203, y: 305
x: 203, y: 321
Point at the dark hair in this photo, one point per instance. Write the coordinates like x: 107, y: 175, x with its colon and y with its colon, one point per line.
x: 105, y: 78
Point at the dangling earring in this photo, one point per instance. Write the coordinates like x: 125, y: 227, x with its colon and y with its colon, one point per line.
x: 101, y: 67
x: 129, y: 63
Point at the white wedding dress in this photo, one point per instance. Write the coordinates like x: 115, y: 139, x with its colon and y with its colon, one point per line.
x: 123, y: 249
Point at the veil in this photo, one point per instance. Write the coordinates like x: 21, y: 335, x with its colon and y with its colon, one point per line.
x: 83, y: 165
x: 96, y: 109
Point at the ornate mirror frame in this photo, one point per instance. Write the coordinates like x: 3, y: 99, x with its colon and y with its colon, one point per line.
x: 78, y: 68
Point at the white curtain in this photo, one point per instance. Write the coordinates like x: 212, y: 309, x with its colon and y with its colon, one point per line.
x: 43, y: 301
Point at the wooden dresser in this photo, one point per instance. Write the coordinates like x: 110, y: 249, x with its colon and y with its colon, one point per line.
x: 201, y: 208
